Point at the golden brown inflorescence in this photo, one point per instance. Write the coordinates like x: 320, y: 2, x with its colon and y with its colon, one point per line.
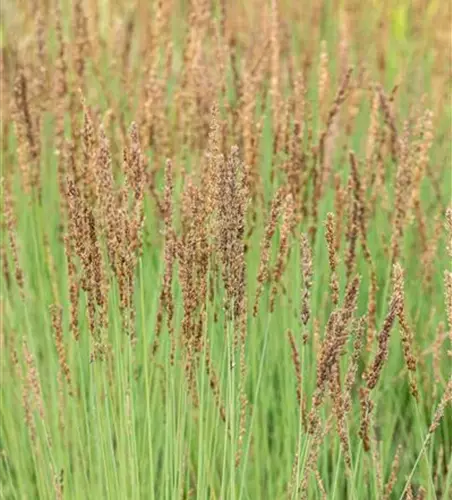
x: 270, y: 229
x: 330, y: 236
x: 307, y: 274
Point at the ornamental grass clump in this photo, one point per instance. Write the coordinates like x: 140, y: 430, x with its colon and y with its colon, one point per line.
x: 225, y: 251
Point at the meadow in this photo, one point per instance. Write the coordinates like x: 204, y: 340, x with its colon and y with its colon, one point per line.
x: 226, y: 246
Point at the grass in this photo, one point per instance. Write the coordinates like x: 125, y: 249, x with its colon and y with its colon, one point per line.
x: 225, y: 256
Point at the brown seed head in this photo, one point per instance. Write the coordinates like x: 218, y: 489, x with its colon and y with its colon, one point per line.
x: 393, y: 476
x: 395, y: 306
x: 11, y: 227
x: 389, y: 118
x: 281, y: 259
x: 263, y: 272
x: 296, y: 363
x: 307, y: 274
x: 330, y: 236
x: 439, y: 413
x: 57, y: 324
